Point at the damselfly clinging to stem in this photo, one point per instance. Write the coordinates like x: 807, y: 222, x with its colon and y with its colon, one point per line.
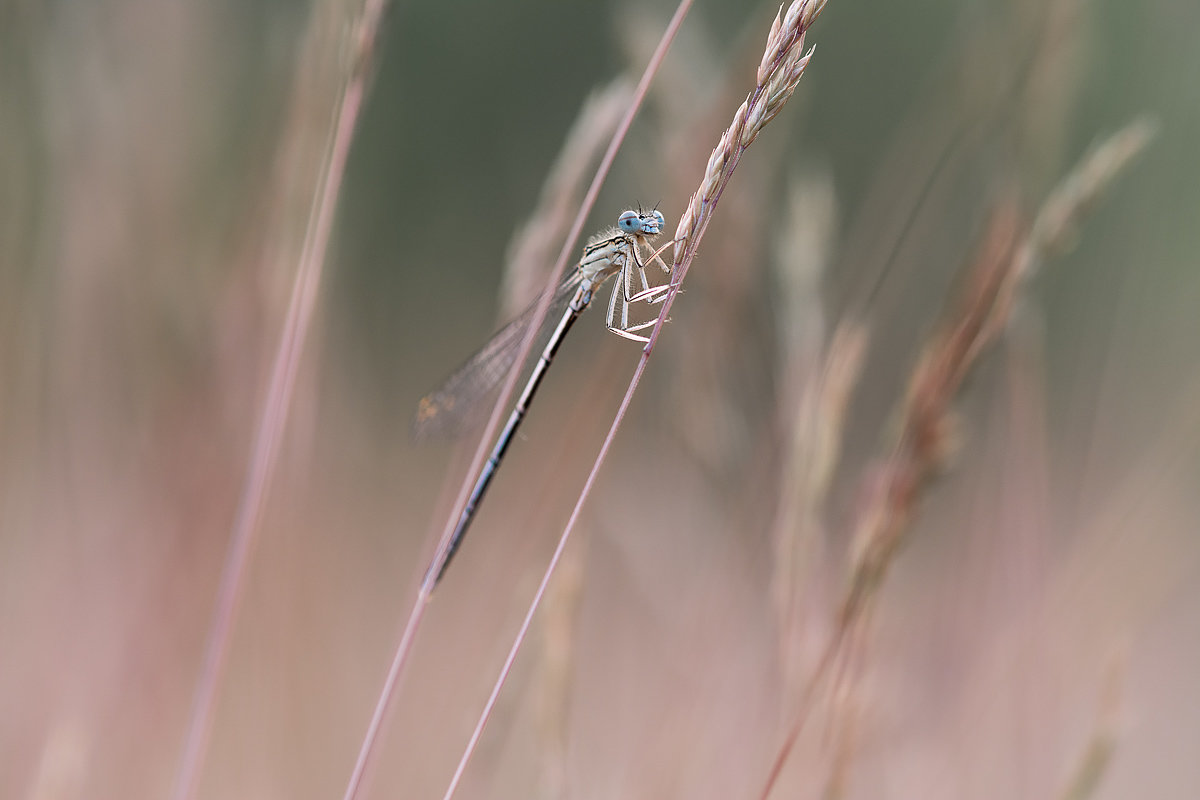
x: 615, y: 251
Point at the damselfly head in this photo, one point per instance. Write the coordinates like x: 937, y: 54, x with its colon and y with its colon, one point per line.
x: 641, y: 223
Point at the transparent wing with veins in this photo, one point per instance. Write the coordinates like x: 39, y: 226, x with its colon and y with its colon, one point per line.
x: 451, y: 407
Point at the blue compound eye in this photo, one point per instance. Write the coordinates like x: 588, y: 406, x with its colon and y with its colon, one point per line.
x: 659, y: 221
x: 629, y: 221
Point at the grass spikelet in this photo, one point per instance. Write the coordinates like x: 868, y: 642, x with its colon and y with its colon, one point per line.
x: 783, y: 64
x: 1055, y: 229
x: 1003, y: 264
x: 923, y: 442
x: 1004, y: 259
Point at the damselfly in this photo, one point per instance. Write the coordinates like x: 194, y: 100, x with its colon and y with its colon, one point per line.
x: 615, y: 251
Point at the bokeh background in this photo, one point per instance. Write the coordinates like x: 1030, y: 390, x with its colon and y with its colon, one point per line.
x: 1037, y: 636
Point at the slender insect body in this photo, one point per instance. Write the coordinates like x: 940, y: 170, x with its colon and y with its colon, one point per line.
x: 613, y: 252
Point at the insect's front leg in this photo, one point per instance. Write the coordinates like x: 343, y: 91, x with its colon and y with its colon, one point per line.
x: 657, y: 256
x: 651, y: 294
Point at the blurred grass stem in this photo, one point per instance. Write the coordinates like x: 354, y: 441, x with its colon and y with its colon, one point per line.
x: 274, y: 413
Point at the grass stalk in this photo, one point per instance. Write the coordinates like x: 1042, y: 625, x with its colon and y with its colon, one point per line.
x: 273, y: 416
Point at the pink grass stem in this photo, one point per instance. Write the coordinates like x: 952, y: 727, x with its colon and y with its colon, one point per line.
x: 273, y: 419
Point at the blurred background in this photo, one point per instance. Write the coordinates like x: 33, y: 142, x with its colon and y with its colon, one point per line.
x: 1037, y: 633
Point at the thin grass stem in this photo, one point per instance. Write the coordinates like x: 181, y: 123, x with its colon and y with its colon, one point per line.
x: 274, y: 414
